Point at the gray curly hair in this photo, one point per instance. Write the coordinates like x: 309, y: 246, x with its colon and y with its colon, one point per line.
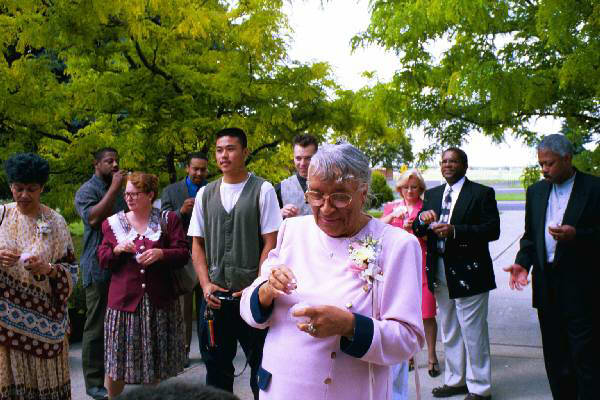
x: 340, y: 162
x: 556, y: 143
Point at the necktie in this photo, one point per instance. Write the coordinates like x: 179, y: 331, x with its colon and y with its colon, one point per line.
x: 445, y: 217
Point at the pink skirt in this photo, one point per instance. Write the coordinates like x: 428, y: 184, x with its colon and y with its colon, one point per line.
x: 428, y: 304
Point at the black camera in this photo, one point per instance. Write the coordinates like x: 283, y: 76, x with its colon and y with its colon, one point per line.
x: 225, y: 296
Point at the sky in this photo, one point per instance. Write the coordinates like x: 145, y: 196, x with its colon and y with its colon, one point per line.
x: 322, y: 32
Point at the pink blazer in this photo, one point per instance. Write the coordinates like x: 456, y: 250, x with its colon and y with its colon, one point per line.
x: 299, y: 366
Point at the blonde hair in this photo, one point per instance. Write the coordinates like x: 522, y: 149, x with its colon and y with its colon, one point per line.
x: 403, y: 180
x: 144, y: 182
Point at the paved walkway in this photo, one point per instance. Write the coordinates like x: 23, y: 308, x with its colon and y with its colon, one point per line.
x: 517, y: 363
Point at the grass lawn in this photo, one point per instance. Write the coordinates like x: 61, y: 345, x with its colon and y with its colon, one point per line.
x: 510, y: 196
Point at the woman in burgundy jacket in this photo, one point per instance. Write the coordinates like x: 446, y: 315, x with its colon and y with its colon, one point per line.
x: 143, y: 327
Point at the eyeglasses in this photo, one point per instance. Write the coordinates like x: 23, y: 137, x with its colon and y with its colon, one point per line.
x: 338, y: 200
x: 132, y: 195
x: 415, y: 188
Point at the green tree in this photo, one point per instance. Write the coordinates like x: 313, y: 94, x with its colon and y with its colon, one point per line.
x: 155, y: 79
x: 369, y: 120
x: 491, y: 66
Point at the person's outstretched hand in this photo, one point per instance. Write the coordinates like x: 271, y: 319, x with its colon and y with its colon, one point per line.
x: 517, y: 278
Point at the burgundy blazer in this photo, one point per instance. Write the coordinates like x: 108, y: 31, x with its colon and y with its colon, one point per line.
x: 130, y: 280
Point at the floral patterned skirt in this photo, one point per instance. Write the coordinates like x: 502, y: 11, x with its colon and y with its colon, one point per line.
x: 26, y: 377
x: 144, y: 346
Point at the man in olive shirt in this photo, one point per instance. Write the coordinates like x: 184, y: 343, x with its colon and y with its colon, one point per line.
x: 97, y: 199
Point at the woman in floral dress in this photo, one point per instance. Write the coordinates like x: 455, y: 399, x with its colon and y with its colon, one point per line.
x: 143, y: 327
x: 37, y: 273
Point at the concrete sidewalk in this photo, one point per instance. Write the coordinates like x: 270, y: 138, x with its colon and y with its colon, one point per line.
x: 517, y: 363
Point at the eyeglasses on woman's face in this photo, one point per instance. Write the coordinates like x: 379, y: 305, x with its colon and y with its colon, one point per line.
x: 30, y: 188
x: 133, y: 195
x: 338, y: 200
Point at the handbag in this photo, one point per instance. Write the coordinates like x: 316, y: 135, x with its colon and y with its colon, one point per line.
x: 184, y: 279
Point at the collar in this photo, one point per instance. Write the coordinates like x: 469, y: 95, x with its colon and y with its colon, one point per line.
x: 457, y: 185
x: 301, y: 179
x: 566, y: 183
x: 99, y: 181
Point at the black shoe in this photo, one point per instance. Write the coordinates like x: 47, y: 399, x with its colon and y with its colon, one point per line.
x: 434, y: 369
x: 97, y: 393
x: 447, y: 391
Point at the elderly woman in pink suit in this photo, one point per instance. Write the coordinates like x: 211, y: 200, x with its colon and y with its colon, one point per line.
x: 402, y: 213
x: 338, y: 316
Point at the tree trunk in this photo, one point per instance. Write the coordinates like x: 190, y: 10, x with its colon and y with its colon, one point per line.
x: 171, y: 166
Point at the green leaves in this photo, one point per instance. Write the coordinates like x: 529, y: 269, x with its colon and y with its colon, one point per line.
x: 491, y: 66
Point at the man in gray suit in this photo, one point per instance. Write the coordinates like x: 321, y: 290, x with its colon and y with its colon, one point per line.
x: 180, y: 197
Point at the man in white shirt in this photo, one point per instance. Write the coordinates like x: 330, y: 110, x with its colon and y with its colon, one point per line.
x: 560, y: 248
x: 234, y: 225
x: 459, y: 219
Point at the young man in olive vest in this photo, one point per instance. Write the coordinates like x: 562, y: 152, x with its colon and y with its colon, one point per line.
x: 234, y: 225
x: 290, y: 192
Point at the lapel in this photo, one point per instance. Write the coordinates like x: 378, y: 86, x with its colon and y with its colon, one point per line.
x: 182, y: 191
x: 576, y: 202
x: 462, y: 203
x: 541, y: 239
x: 435, y: 198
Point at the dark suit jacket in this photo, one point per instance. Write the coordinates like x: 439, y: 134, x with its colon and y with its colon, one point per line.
x: 579, y: 256
x: 467, y: 260
x: 172, y: 199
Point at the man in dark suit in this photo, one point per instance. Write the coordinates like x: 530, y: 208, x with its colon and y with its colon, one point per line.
x: 459, y: 219
x: 561, y: 239
x: 180, y: 197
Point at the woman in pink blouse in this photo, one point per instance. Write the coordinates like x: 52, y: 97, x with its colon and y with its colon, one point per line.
x: 143, y: 327
x: 402, y: 213
x: 338, y: 317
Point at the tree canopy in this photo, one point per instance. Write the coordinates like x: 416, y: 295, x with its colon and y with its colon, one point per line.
x: 157, y: 79
x: 492, y: 66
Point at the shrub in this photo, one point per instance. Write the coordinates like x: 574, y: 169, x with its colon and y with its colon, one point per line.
x: 530, y: 175
x: 380, y: 190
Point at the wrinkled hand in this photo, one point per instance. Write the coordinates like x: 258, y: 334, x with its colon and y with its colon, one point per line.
x: 517, y: 278
x: 326, y: 321
x: 8, y: 258
x: 562, y: 232
x: 428, y: 216
x: 444, y: 230
x: 150, y: 256
x: 289, y: 210
x: 281, y: 281
x: 127, y: 247
x: 210, y: 298
x: 188, y: 206
x: 36, y: 266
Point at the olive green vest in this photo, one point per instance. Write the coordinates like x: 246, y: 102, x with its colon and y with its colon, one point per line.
x: 232, y: 241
